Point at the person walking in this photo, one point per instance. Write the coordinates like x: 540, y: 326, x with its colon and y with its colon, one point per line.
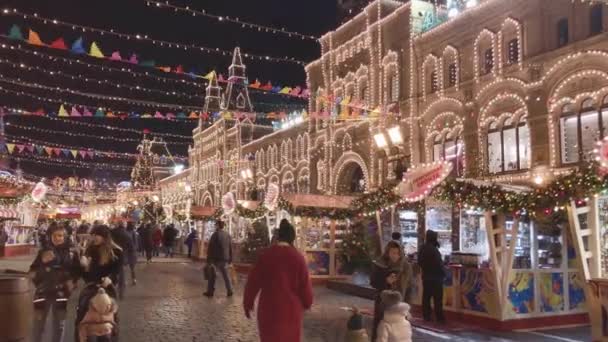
x: 147, y: 240
x: 391, y: 272
x: 431, y: 264
x: 219, y: 256
x: 132, y: 256
x: 157, y: 238
x: 169, y: 237
x: 122, y: 239
x: 54, y: 272
x: 280, y: 277
x: 3, y: 240
x: 190, y: 240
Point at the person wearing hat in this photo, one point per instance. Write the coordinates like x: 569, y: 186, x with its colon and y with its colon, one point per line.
x: 103, y: 259
x: 355, y: 331
x: 394, y: 326
x: 433, y: 274
x: 54, y: 272
x: 280, y: 278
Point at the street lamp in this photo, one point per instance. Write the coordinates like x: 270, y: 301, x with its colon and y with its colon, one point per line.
x: 395, y: 134
x: 380, y: 140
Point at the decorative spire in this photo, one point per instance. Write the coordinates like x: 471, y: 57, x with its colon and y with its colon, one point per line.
x: 237, y: 93
x: 213, y: 95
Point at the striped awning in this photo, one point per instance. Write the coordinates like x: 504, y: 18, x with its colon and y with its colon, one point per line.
x: 6, y: 213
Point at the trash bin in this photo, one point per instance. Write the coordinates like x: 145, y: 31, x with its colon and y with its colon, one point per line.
x: 16, y: 310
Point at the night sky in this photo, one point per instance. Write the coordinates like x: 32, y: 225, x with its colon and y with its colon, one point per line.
x: 312, y: 17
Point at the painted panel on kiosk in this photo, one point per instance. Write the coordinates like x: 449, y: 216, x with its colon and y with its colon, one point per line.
x: 521, y: 292
x: 478, y: 291
x: 551, y: 292
x: 576, y: 291
x: 318, y: 262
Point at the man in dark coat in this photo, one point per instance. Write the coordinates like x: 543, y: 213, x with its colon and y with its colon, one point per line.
x: 219, y: 255
x: 123, y: 240
x: 3, y: 240
x: 429, y: 259
x: 147, y: 240
x: 169, y: 236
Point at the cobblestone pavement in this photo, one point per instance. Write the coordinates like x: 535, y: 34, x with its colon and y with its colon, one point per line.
x: 168, y: 304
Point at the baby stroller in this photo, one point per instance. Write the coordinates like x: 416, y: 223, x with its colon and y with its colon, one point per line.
x: 97, y: 314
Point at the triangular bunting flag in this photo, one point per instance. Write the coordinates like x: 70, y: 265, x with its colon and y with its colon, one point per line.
x: 305, y: 93
x: 100, y: 113
x: 39, y: 149
x: 193, y: 115
x: 57, y: 151
x: 86, y: 112
x: 181, y: 115
x: 10, y: 148
x: 15, y: 33
x: 20, y: 147
x: 267, y: 87
x: 59, y: 44
x: 133, y: 59
x: 170, y: 116
x: 82, y: 153
x: 40, y: 111
x: 65, y: 152
x: 75, y: 112
x: 204, y: 116
x: 115, y: 56
x: 34, y: 39
x: 49, y: 150
x: 158, y: 115
x: 296, y: 91
x: 148, y: 63
x: 275, y: 89
x: 74, y: 153
x: 30, y: 148
x: 179, y: 69
x: 165, y: 69
x: 91, y: 154
x: 220, y: 78
x: 146, y: 115
x: 227, y: 115
x: 256, y: 84
x: 285, y: 90
x: 62, y: 111
x: 77, y: 47
x: 95, y: 51
x: 210, y: 76
x: 110, y: 115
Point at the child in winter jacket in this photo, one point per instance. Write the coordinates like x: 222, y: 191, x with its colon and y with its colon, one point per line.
x: 99, y: 319
x: 356, y: 332
x: 395, y: 326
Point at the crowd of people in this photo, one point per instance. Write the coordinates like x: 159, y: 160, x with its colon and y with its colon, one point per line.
x: 99, y: 255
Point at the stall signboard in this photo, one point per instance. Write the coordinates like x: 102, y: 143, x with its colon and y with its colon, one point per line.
x: 228, y: 203
x: 418, y: 183
x: 272, y: 197
x: 39, y: 192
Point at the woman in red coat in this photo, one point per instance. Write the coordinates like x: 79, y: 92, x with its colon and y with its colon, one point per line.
x: 281, y: 278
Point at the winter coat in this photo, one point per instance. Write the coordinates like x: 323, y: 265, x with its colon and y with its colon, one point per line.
x: 280, y: 277
x: 169, y: 236
x: 51, y: 278
x: 132, y: 257
x: 124, y: 241
x: 395, y: 327
x: 356, y: 336
x: 95, y: 271
x: 157, y: 237
x: 191, y: 238
x: 146, y: 236
x: 220, y: 247
x: 429, y: 258
x: 3, y: 236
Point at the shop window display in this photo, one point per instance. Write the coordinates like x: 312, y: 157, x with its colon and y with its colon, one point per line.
x: 473, y: 235
x: 439, y: 219
x: 408, y: 227
x: 522, y: 257
x: 550, y: 243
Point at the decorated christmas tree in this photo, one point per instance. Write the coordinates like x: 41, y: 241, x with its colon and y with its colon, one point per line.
x: 257, y: 239
x: 141, y: 176
x: 357, y: 249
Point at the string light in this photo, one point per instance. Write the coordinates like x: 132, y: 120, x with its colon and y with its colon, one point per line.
x: 102, y: 126
x: 244, y: 24
x: 73, y: 163
x: 81, y: 77
x: 156, y: 42
x: 144, y: 103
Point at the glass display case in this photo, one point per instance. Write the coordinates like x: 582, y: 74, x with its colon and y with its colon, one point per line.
x: 473, y: 235
x: 602, y: 205
x: 407, y: 225
x: 550, y: 241
x: 439, y: 219
x: 522, y: 256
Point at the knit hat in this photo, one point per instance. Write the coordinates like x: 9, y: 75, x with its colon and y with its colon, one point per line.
x: 286, y: 232
x: 102, y: 231
x: 355, y: 322
x: 390, y: 298
x: 53, y: 227
x: 396, y: 236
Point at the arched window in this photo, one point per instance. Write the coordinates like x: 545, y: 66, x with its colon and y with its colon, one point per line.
x: 580, y: 129
x: 434, y: 82
x: 393, y: 87
x: 513, y: 51
x: 508, y: 145
x: 363, y: 91
x: 562, y: 32
x: 488, y: 61
x: 452, y: 74
x: 450, y: 147
x: 596, y: 19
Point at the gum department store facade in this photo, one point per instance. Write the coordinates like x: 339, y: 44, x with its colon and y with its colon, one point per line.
x: 507, y: 90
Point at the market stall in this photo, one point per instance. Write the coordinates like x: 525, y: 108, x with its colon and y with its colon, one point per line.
x: 203, y: 219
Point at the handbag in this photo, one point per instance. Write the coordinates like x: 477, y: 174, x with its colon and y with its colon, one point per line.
x: 209, y: 271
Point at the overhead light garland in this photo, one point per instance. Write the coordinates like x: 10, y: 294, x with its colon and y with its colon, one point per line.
x: 228, y: 19
x: 78, y: 134
x: 144, y: 37
x: 72, y: 163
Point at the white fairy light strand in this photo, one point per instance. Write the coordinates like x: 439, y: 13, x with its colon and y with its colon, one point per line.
x: 244, y: 24
x: 156, y: 42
